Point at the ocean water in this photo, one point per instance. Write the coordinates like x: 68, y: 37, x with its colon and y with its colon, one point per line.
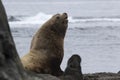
x: 93, y: 32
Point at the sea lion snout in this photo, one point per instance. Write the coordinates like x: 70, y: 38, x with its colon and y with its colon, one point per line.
x: 63, y: 16
x: 66, y: 16
x: 64, y: 19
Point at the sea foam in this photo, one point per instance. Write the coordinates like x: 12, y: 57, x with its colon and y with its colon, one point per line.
x: 41, y: 17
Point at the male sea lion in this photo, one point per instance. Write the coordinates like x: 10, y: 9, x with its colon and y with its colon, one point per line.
x: 46, y: 52
x: 73, y: 69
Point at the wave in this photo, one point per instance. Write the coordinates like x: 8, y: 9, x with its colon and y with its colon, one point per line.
x: 37, y: 19
x: 12, y: 18
x: 97, y: 19
x: 40, y: 18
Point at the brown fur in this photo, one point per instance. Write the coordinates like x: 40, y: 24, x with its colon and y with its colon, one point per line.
x: 46, y: 52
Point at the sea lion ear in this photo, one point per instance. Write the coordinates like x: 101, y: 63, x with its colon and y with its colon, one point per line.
x: 65, y: 13
x: 57, y: 17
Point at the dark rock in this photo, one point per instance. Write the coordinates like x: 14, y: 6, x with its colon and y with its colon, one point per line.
x: 102, y: 76
x: 12, y: 18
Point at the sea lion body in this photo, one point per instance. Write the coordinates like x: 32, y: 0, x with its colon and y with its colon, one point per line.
x: 46, y: 52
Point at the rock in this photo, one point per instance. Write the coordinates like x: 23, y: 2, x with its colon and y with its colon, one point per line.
x: 12, y: 18
x: 102, y: 76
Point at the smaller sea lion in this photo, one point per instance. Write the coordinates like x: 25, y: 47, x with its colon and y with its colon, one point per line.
x: 73, y: 70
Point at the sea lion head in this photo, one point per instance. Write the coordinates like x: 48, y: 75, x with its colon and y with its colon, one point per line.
x: 58, y: 24
x: 73, y: 69
x: 74, y: 62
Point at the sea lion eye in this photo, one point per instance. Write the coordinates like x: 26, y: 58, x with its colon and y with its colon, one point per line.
x: 70, y: 65
x: 57, y: 17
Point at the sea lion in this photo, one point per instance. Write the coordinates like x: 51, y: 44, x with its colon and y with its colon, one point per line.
x: 73, y: 69
x: 46, y: 52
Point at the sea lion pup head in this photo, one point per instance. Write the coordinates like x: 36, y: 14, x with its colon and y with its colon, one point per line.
x: 73, y: 70
x: 74, y: 63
